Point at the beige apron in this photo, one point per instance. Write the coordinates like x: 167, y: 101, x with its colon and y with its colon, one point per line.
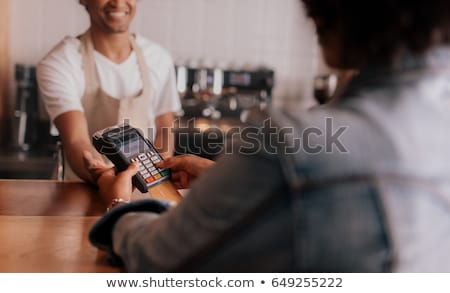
x: 102, y: 110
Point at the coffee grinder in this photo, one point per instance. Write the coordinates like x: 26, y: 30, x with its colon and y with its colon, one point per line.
x: 25, y: 118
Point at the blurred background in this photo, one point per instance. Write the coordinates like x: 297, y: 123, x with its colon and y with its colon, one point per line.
x: 229, y: 55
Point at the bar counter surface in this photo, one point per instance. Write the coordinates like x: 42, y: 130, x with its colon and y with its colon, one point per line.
x: 44, y: 227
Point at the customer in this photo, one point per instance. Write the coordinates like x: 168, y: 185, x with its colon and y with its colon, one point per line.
x: 367, y: 190
x: 105, y: 77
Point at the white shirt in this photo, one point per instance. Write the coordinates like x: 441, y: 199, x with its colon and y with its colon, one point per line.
x: 62, y: 82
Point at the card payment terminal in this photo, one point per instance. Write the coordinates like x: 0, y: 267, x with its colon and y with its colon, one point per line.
x: 123, y: 145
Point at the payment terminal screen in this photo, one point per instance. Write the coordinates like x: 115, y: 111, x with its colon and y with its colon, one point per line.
x: 133, y: 145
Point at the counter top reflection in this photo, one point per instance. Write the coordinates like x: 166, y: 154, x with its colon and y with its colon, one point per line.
x: 44, y: 227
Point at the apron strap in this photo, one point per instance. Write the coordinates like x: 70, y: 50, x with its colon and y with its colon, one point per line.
x: 89, y: 67
x: 143, y: 68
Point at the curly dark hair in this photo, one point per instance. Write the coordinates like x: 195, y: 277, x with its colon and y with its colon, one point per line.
x: 380, y: 29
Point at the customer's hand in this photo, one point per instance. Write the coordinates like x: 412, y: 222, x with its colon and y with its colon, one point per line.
x: 112, y: 184
x: 95, y: 166
x: 185, y: 169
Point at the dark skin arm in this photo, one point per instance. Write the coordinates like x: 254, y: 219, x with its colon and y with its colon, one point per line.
x: 185, y: 169
x: 73, y: 129
x: 113, y: 184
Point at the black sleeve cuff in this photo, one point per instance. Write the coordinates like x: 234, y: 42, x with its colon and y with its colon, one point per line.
x: 101, y: 233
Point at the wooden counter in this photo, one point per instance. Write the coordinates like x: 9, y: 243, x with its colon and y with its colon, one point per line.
x: 44, y: 227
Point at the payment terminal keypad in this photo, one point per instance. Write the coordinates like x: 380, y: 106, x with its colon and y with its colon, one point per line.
x: 147, y: 167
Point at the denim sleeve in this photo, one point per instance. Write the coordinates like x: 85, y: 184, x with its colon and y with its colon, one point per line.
x: 217, y: 202
x: 100, y: 234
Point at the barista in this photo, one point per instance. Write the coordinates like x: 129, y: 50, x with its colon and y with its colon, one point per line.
x: 105, y: 77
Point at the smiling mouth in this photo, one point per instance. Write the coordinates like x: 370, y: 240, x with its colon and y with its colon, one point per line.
x: 117, y: 14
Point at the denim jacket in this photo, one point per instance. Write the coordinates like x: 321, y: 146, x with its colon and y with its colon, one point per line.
x: 360, y: 185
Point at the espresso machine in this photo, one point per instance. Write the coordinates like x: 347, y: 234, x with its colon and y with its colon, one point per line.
x: 215, y: 101
x: 216, y: 93
x: 25, y: 118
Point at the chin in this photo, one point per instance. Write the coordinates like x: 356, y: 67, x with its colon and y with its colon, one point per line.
x: 118, y: 30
